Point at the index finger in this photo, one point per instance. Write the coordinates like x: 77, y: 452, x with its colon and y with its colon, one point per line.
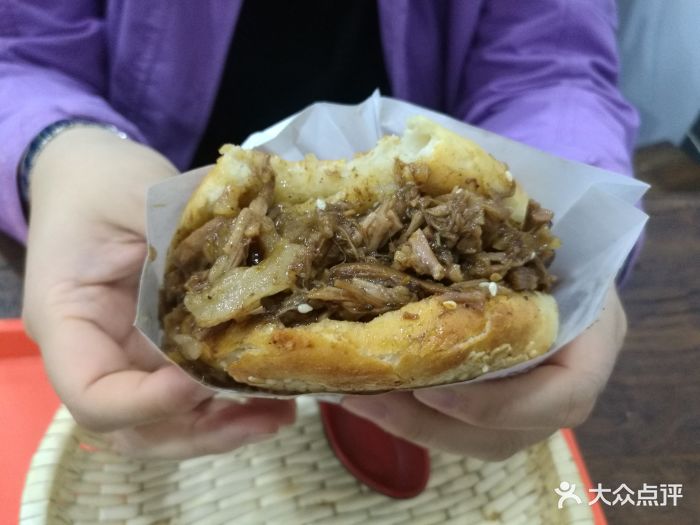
x: 96, y: 381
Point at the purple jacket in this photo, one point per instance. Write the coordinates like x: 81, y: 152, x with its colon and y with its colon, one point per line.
x: 541, y: 72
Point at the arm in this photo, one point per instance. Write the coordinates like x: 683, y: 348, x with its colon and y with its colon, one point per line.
x: 546, y: 75
x: 53, y: 66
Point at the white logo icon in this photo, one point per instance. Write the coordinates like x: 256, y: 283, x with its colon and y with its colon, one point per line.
x: 566, y: 492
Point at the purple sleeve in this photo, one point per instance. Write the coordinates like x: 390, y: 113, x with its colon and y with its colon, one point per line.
x: 545, y: 73
x: 53, y: 66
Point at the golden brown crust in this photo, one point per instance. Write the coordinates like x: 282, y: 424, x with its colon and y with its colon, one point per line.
x: 424, y: 343
x: 453, y: 161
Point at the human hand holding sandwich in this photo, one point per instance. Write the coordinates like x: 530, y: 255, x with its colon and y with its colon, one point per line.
x: 85, y: 250
x: 492, y: 420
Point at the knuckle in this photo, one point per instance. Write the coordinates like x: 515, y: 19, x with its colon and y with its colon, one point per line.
x: 89, y: 421
x: 497, y: 455
x: 485, y: 414
x: 411, y: 431
x: 501, y: 450
x: 194, y: 448
x: 509, y: 444
x: 577, y: 411
x: 576, y: 417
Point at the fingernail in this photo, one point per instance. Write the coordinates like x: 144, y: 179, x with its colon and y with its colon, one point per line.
x: 369, y: 408
x: 437, y: 396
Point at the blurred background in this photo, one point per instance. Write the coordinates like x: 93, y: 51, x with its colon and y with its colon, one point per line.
x: 646, y: 427
x: 660, y: 73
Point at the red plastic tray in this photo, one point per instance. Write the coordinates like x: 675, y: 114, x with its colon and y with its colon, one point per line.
x: 28, y: 403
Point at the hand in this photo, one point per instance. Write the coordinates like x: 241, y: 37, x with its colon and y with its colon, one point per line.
x: 85, y: 250
x: 492, y: 420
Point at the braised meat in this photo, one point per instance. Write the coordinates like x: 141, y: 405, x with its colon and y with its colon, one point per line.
x: 305, y: 263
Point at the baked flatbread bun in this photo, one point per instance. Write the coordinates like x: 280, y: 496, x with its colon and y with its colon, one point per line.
x: 420, y: 262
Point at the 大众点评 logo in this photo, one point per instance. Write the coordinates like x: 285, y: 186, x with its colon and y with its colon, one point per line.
x: 662, y: 495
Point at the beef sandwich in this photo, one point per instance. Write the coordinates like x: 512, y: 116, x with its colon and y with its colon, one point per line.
x: 420, y: 262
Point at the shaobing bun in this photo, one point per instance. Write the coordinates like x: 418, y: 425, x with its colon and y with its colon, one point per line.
x: 420, y: 262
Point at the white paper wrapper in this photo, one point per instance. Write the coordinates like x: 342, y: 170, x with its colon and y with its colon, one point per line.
x: 594, y: 210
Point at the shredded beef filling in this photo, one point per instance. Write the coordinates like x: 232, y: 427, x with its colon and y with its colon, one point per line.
x: 351, y: 265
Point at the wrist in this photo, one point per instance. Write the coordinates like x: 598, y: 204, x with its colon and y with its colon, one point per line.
x: 42, y: 141
x: 97, y: 174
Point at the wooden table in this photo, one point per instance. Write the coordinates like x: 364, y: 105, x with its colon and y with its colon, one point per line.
x: 646, y: 426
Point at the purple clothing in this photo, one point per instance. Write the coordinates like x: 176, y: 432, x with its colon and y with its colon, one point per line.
x: 541, y: 72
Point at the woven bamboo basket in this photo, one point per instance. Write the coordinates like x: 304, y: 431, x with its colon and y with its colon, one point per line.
x: 293, y: 478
